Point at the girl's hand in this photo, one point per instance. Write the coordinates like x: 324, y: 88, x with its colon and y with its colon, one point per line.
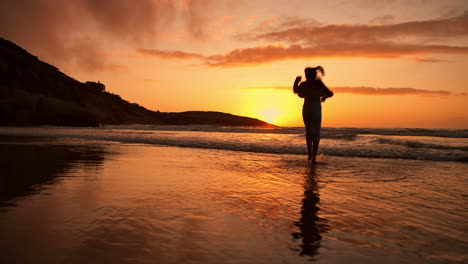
x: 298, y: 78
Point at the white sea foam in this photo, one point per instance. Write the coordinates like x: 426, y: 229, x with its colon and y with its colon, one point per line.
x: 335, y: 141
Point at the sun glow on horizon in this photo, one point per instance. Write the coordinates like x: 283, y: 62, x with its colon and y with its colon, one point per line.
x: 269, y: 115
x: 278, y: 107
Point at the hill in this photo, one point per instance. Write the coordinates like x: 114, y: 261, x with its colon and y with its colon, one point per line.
x: 33, y: 92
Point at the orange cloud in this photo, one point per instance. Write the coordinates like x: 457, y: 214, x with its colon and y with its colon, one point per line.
x: 78, y: 32
x: 389, y: 91
x: 429, y: 60
x: 309, y: 39
x: 197, y: 16
x: 364, y: 90
x: 169, y: 54
x: 313, y: 33
x: 386, y: 19
x: 269, y: 53
x: 112, y: 67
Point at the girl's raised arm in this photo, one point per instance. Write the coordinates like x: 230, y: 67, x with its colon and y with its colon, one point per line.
x: 296, y: 84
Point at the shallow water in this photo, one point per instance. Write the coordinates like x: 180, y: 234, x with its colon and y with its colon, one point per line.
x: 437, y: 145
x: 89, y: 201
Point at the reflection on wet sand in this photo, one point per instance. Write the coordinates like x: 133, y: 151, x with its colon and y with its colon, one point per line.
x: 310, y: 224
x: 82, y: 201
x: 28, y: 164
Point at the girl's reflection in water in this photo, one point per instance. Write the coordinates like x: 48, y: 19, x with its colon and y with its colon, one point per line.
x: 310, y: 224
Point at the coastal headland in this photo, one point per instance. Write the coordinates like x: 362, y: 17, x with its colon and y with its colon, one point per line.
x: 33, y: 92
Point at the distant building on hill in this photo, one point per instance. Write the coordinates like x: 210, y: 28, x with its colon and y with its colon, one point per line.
x: 96, y: 85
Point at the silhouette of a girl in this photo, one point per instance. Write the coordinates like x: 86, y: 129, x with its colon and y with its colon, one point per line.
x: 314, y: 92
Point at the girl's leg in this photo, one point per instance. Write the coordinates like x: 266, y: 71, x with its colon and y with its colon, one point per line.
x: 309, y: 142
x: 315, y: 134
x: 315, y: 149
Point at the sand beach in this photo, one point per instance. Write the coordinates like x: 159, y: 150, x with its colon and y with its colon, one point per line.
x: 73, y: 200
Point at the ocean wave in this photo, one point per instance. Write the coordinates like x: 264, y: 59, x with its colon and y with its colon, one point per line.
x: 260, y: 143
x: 347, y: 133
x: 418, y: 132
x: 417, y: 144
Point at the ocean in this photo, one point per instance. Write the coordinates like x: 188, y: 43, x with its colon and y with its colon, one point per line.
x: 418, y: 144
x: 210, y: 194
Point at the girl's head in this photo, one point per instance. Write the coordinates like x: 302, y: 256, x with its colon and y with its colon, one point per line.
x: 311, y: 73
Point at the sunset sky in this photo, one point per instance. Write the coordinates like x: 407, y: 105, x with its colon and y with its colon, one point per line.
x: 391, y: 63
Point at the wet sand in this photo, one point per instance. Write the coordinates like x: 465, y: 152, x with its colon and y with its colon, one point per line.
x: 82, y: 201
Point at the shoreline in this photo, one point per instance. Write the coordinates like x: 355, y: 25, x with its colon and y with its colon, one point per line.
x: 334, y: 143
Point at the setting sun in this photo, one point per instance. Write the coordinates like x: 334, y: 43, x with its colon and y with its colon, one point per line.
x: 269, y: 115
